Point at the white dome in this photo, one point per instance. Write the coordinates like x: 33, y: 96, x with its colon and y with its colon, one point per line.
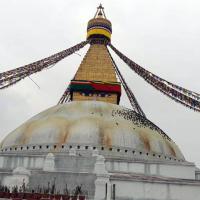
x: 93, y: 123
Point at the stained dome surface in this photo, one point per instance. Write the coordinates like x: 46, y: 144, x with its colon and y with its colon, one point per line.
x: 93, y: 123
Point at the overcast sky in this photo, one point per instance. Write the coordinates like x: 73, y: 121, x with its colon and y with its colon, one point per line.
x: 162, y: 36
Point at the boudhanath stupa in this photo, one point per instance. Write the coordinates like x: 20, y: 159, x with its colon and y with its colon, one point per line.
x: 92, y: 147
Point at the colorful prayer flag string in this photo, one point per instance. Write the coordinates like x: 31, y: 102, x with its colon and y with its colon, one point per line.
x: 181, y: 95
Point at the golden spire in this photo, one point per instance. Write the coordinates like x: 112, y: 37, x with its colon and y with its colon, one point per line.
x: 96, y: 78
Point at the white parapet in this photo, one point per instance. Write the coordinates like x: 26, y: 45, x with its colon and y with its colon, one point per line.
x: 49, y: 163
x: 102, y: 183
x: 173, y: 170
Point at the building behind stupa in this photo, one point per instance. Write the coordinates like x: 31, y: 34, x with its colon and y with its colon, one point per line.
x: 93, y: 148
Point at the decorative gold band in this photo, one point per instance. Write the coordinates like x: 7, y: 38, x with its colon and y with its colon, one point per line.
x: 98, y: 31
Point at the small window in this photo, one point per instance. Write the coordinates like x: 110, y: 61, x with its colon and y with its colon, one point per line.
x: 102, y: 148
x: 126, y: 150
x: 33, y: 147
x: 94, y: 147
x: 86, y: 147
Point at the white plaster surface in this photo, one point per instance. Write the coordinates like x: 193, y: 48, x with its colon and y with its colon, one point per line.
x: 49, y: 163
x: 19, y: 175
x: 135, y: 190
x: 164, y: 169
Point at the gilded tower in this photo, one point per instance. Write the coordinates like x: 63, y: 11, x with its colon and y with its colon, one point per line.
x: 96, y: 79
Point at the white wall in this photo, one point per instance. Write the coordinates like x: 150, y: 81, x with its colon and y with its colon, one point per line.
x: 155, y: 191
x: 157, y: 169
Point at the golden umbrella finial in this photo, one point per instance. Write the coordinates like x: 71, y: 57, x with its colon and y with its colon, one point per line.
x: 99, y: 27
x: 100, y: 12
